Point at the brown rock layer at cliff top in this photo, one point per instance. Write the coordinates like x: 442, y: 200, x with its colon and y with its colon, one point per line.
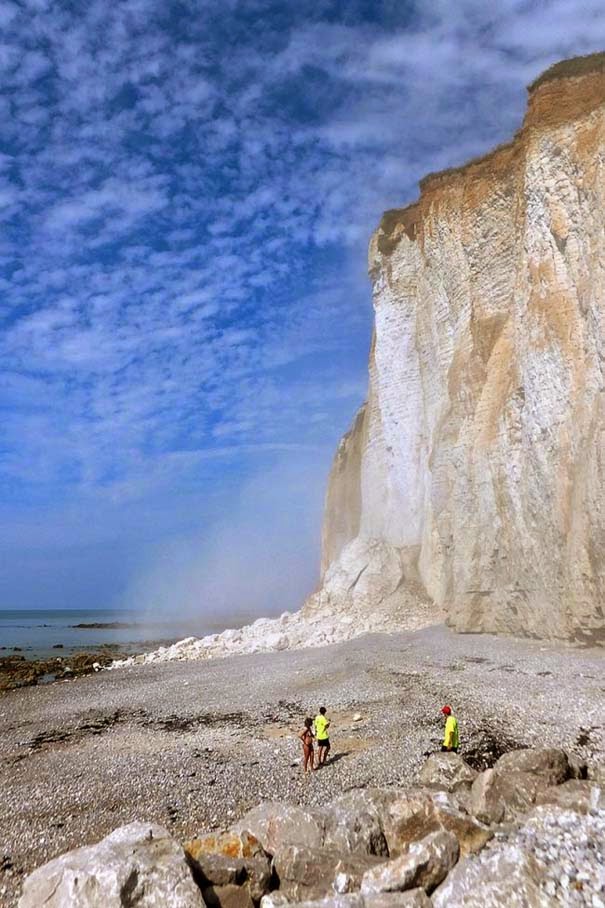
x: 471, y: 483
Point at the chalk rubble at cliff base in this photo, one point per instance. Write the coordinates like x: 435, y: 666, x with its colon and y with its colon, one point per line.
x: 370, y: 848
x: 290, y: 631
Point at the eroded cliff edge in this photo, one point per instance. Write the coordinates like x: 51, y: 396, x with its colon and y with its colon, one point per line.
x: 472, y: 483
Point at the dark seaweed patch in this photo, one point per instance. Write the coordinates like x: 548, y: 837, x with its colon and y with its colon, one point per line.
x: 486, y: 749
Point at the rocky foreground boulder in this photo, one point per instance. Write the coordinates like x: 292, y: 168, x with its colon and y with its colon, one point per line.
x: 423, y: 864
x: 311, y: 873
x: 515, y: 783
x: 533, y: 836
x: 231, y: 869
x: 447, y: 772
x: 139, y: 864
x: 555, y: 858
x: 354, y: 824
x: 276, y: 825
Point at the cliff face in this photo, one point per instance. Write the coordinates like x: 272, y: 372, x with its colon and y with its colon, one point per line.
x: 472, y: 483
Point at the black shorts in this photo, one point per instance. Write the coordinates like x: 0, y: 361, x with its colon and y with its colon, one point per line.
x: 323, y: 742
x: 453, y: 750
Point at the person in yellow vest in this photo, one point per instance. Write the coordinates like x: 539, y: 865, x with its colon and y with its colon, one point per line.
x: 451, y: 737
x: 321, y: 736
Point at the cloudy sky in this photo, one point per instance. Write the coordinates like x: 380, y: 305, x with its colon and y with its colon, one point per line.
x: 186, y: 194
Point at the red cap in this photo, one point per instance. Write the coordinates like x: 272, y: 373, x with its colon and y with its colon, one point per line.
x: 446, y: 710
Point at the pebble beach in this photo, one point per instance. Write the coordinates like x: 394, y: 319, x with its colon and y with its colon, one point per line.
x: 193, y: 745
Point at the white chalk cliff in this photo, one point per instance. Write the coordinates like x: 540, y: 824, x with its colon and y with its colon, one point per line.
x: 472, y: 483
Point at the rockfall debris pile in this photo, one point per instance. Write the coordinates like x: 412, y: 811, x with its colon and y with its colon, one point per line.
x: 527, y: 833
x: 297, y: 630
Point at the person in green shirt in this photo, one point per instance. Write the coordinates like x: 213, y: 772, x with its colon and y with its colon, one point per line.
x: 451, y: 737
x: 321, y: 735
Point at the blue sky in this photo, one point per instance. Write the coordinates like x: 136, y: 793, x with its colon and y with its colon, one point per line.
x: 186, y: 194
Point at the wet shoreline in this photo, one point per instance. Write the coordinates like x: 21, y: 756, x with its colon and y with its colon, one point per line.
x: 22, y: 668
x: 17, y: 671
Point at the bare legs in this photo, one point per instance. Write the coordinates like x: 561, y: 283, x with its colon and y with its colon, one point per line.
x: 308, y: 763
x: 322, y: 753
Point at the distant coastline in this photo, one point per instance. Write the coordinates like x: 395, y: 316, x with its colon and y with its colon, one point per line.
x: 39, y: 634
x: 108, y: 625
x: 41, y: 646
x: 42, y: 634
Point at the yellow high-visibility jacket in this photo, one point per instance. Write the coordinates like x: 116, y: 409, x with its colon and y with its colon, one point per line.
x: 451, y: 737
x: 321, y: 727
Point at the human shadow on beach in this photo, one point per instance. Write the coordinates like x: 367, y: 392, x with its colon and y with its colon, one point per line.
x: 337, y: 757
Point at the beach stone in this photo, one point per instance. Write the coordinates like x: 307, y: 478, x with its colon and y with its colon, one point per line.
x: 211, y: 858
x: 139, y: 864
x: 412, y: 815
x: 312, y: 873
x: 596, y: 773
x: 352, y: 900
x: 552, y: 857
x: 506, y: 876
x: 274, y: 899
x: 275, y: 825
x: 413, y: 898
x: 578, y: 768
x: 461, y: 798
x: 353, y: 824
x: 550, y: 764
x: 233, y: 844
x: 504, y: 793
x: 446, y: 772
x: 217, y: 870
x: 575, y: 794
x: 424, y: 864
x: 343, y: 883
x: 276, y: 641
x: 407, y: 816
x: 486, y: 804
x: 518, y: 791
x: 253, y: 874
x: 229, y: 896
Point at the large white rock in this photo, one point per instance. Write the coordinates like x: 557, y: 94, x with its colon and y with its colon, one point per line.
x: 353, y: 823
x: 446, y: 772
x: 278, y: 825
x: 139, y: 864
x: 424, y: 864
x: 503, y: 877
x: 556, y: 857
x: 414, y: 898
x: 473, y: 481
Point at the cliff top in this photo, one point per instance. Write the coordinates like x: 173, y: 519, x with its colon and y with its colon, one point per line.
x: 567, y: 69
x: 575, y: 67
x: 589, y: 65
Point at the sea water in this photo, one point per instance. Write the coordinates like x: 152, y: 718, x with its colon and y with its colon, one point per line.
x: 42, y: 633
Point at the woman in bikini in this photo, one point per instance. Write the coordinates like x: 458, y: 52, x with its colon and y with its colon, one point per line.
x: 306, y: 737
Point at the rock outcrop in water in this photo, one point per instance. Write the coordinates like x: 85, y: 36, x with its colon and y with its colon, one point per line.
x: 473, y: 480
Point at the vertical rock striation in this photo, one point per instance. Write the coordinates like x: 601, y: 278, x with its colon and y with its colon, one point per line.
x: 472, y: 483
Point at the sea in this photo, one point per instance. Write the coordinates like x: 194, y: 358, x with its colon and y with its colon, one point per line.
x: 43, y: 633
